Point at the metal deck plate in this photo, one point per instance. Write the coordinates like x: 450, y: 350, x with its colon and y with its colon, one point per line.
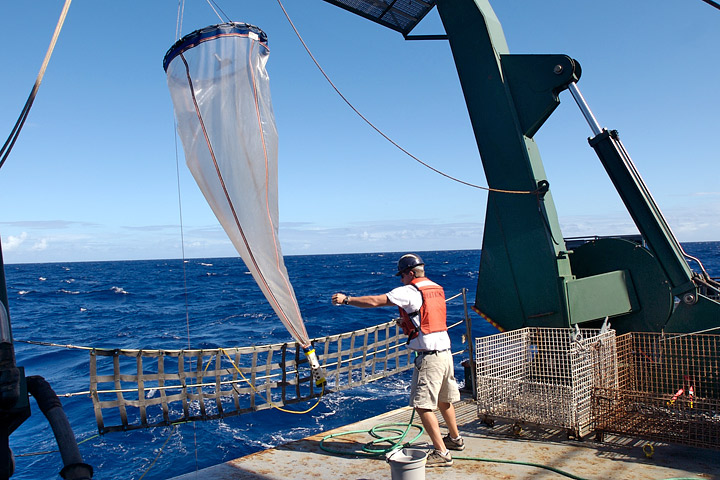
x: 617, y: 457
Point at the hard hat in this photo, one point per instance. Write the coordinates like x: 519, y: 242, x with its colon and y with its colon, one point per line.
x: 408, y: 261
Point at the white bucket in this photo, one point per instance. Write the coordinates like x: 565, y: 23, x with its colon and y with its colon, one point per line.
x: 407, y: 464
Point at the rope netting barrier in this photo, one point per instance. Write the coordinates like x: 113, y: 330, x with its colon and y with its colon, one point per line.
x: 134, y: 389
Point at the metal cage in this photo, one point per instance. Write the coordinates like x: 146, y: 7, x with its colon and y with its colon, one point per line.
x: 668, y: 391
x: 544, y: 376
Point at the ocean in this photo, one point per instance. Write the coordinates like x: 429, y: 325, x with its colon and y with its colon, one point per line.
x: 205, y: 303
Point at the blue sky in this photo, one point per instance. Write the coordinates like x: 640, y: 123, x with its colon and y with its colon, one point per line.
x: 94, y: 175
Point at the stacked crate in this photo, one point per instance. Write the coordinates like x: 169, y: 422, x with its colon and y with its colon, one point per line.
x: 668, y: 390
x: 544, y: 376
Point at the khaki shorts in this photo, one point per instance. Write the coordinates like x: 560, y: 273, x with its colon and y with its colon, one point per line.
x: 433, y: 381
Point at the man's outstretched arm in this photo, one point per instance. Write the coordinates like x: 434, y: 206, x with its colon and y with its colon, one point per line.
x: 366, y: 301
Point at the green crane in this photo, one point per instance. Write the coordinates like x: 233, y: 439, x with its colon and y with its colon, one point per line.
x: 528, y: 276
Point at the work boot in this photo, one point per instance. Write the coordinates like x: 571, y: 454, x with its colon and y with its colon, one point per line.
x: 438, y: 459
x: 451, y: 444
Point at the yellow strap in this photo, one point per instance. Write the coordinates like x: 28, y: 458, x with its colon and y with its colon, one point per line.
x: 266, y: 399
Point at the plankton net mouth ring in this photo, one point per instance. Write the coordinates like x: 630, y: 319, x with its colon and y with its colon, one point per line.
x: 212, y: 32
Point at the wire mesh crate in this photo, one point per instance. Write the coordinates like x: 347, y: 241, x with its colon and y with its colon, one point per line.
x: 668, y: 390
x: 544, y: 376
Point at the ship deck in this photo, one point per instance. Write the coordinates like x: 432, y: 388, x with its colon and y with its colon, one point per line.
x: 615, y: 457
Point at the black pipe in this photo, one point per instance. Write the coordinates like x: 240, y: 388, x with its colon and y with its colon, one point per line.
x: 14, y: 406
x: 49, y: 403
x: 9, y: 373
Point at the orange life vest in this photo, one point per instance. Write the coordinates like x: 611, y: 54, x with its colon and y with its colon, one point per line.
x: 432, y: 312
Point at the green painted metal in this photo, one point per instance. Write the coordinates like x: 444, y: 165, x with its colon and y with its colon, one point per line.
x: 522, y: 243
x: 701, y: 315
x: 608, y: 294
x: 693, y: 311
x: 653, y: 299
x: 644, y: 211
x: 525, y: 276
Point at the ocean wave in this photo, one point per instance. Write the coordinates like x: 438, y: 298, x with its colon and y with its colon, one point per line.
x: 226, y: 309
x: 171, y: 336
x: 69, y: 292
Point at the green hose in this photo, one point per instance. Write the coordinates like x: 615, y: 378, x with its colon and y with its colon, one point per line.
x: 518, y: 462
x: 372, y: 449
x: 396, y: 441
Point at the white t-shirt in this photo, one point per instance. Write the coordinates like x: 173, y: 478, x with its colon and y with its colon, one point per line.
x: 409, y: 299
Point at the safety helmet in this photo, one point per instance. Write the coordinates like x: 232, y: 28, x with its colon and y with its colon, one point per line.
x: 408, y: 261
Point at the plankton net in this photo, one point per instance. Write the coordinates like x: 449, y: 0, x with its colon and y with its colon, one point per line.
x: 221, y: 94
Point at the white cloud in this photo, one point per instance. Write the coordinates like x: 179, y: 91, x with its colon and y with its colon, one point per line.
x: 383, y: 236
x: 40, y: 245
x: 13, y: 242
x: 84, y: 242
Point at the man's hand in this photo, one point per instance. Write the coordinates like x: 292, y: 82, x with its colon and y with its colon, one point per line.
x: 339, y: 299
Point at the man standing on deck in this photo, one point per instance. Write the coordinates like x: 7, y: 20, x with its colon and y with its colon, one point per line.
x: 422, y: 317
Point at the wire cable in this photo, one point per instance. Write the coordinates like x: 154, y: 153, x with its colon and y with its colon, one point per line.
x: 386, y: 137
x: 172, y: 431
x: 178, y: 30
x: 712, y: 3
x: 213, y: 4
x: 180, y: 16
x: 15, y: 133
